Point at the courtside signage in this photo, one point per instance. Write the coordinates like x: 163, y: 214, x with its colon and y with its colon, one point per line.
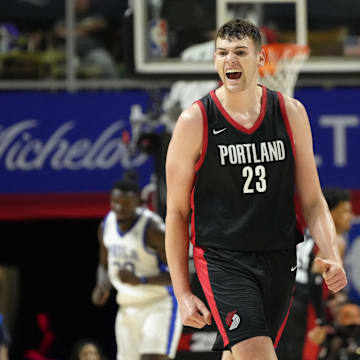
x: 67, y: 142
x: 335, y: 124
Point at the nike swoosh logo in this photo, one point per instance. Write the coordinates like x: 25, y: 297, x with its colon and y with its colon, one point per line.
x: 215, y: 132
x: 293, y: 268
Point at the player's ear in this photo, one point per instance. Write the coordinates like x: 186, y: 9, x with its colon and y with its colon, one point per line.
x: 261, y: 57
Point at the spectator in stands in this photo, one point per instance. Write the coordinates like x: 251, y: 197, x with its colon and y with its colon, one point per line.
x: 87, y: 350
x: 89, y: 33
x: 342, y: 340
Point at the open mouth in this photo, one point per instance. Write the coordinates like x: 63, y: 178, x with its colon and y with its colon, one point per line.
x: 233, y: 74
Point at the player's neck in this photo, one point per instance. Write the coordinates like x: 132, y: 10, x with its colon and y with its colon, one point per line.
x: 244, y: 107
x: 240, y: 101
x: 126, y: 225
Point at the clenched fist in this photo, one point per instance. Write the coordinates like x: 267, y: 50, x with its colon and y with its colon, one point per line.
x: 193, y: 311
x: 333, y: 274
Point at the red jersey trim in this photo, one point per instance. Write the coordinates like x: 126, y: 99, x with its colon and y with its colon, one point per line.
x: 227, y: 116
x: 193, y: 235
x: 282, y: 327
x: 203, y: 275
x: 310, y: 349
x: 300, y: 221
x: 286, y: 121
x: 204, y: 136
x: 198, y: 166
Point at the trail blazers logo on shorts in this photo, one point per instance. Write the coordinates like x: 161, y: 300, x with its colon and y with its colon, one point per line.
x: 233, y: 320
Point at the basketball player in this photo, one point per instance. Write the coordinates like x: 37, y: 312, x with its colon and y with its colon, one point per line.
x: 234, y: 158
x: 132, y: 249
x: 309, y: 307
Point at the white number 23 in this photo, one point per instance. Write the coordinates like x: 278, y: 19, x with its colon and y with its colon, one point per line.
x: 260, y: 182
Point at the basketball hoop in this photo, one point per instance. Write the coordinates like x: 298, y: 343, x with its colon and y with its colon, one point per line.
x: 282, y: 65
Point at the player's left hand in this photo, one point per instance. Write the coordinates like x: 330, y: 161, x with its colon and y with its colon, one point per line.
x: 333, y: 274
x: 129, y: 277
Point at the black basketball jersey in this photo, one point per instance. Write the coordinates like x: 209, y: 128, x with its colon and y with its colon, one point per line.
x: 243, y: 194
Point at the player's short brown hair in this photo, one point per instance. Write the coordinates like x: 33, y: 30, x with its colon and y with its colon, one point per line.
x: 239, y: 29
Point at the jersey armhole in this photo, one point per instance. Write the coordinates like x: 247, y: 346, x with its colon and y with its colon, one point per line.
x: 204, y: 136
x: 147, y: 248
x: 300, y: 220
x: 286, y: 122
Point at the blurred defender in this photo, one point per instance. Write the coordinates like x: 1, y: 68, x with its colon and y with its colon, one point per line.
x: 309, y: 284
x: 132, y: 249
x: 234, y: 159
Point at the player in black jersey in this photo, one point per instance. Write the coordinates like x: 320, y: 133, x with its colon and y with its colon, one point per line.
x: 232, y: 165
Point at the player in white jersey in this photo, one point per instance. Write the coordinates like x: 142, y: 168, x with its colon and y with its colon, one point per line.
x: 132, y: 249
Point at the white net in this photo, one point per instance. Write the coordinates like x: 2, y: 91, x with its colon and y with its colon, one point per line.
x: 282, y: 66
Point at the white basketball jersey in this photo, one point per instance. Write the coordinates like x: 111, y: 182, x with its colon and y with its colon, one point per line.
x: 129, y: 251
x: 303, y: 253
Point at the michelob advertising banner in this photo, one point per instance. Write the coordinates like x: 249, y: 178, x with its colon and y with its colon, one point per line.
x: 70, y: 148
x: 66, y: 142
x: 60, y: 153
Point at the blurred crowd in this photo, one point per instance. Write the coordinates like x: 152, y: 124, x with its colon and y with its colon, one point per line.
x: 321, y: 324
x: 32, y: 46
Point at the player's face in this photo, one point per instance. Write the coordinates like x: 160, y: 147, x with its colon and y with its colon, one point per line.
x: 236, y: 62
x: 89, y: 352
x: 342, y: 215
x: 124, y: 204
x: 349, y: 314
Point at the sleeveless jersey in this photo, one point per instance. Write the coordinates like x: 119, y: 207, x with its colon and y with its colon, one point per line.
x: 129, y: 251
x: 243, y: 194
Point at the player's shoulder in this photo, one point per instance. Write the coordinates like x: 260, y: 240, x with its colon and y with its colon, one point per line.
x: 109, y: 217
x: 189, y: 124
x: 153, y: 220
x: 293, y: 106
x: 297, y: 116
x: 149, y: 214
x: 191, y: 115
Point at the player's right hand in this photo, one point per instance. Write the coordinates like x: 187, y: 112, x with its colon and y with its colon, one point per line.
x: 99, y: 295
x: 193, y: 311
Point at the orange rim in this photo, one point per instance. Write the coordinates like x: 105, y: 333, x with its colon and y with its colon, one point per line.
x: 276, y: 51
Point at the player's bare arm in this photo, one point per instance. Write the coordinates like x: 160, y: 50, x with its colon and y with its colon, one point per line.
x: 102, y: 288
x: 315, y: 209
x: 183, y: 153
x: 155, y: 240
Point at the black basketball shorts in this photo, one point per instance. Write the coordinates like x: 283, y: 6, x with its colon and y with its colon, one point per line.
x: 249, y: 293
